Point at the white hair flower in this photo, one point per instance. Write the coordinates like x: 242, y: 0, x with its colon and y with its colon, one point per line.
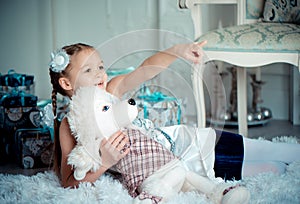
x: 59, y: 60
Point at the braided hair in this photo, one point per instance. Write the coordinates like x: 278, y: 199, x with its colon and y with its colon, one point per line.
x: 56, y: 88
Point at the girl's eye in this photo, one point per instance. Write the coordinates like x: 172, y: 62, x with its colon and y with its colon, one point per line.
x: 88, y: 70
x: 101, y: 67
x: 105, y: 108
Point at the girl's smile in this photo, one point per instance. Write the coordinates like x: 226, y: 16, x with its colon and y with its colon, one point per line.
x: 101, y: 85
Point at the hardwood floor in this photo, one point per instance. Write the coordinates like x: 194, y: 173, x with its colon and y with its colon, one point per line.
x: 272, y: 129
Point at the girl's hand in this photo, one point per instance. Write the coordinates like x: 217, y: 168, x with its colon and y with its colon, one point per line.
x: 114, y: 149
x: 191, y: 52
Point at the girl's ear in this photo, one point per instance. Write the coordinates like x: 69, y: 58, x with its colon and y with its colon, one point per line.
x: 65, y: 83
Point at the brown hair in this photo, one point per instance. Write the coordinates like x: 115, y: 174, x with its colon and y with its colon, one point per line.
x: 56, y: 88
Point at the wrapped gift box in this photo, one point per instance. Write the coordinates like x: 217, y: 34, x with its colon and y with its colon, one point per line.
x: 18, y: 99
x: 161, y: 109
x: 16, y: 81
x: 34, y: 148
x: 18, y: 110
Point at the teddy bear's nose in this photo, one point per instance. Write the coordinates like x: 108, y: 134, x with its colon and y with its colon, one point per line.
x: 131, y: 102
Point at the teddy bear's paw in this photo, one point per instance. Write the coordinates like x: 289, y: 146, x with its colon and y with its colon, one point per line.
x: 145, y: 198
x: 79, y: 158
x: 236, y: 195
x: 79, y: 174
x: 81, y: 171
x: 226, y: 193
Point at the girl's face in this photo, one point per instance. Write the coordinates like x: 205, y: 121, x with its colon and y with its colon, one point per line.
x: 87, y: 70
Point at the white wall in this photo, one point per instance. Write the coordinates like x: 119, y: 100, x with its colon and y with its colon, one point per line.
x: 26, y: 39
x: 31, y: 29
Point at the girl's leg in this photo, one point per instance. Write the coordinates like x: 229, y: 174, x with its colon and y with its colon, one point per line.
x: 252, y: 168
x: 265, y: 156
x: 263, y: 150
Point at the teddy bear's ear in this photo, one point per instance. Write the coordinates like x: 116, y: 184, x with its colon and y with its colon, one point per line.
x: 85, y: 155
x: 81, y: 114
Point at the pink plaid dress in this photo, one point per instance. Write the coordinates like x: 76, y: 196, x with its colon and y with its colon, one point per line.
x: 145, y: 157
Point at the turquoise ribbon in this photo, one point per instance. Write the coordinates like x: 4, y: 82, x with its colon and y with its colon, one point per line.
x: 169, y: 138
x: 178, y: 114
x: 13, y: 74
x: 20, y: 78
x: 156, y: 97
x: 43, y: 103
x: 20, y: 94
x: 115, y: 72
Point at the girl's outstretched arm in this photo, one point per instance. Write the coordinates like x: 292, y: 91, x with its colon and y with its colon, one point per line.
x: 153, y: 65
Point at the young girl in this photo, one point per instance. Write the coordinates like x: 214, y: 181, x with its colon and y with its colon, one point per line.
x: 80, y: 65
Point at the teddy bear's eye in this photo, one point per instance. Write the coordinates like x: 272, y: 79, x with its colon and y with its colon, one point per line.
x: 105, y: 108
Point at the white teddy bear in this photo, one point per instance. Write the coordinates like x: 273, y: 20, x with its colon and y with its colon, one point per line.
x: 90, y: 109
x: 150, y: 172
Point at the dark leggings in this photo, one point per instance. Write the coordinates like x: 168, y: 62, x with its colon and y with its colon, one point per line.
x: 229, y: 155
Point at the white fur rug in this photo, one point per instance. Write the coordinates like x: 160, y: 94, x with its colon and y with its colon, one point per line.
x: 45, y: 188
